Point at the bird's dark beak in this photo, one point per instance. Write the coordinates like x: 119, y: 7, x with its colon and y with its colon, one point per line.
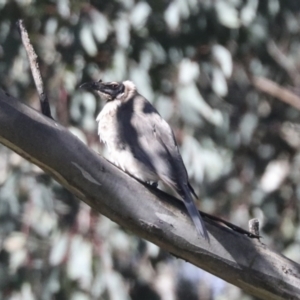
x: 98, y: 86
x: 107, y: 90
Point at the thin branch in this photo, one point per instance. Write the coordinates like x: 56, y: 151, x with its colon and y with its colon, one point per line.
x: 254, y: 226
x: 233, y: 227
x: 273, y: 89
x: 282, y: 60
x: 34, y: 66
x: 147, y: 212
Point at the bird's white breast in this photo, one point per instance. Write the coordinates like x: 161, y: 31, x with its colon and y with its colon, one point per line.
x: 118, y: 153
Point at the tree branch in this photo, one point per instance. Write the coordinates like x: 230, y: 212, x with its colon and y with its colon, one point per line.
x: 147, y: 212
x: 35, y: 70
x: 283, y: 61
x: 272, y: 88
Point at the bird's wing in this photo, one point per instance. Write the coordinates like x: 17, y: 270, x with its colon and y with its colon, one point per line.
x: 157, y: 145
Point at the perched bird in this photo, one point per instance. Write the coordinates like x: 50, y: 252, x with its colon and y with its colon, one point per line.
x: 141, y: 142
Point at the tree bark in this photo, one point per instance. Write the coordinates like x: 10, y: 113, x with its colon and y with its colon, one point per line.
x: 147, y: 212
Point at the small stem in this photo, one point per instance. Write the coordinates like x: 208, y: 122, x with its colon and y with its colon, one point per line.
x: 34, y: 66
x: 254, y: 226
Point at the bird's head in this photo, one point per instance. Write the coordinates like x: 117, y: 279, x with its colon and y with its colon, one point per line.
x: 110, y: 91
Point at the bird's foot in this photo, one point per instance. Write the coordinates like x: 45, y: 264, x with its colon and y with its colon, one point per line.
x: 154, y: 184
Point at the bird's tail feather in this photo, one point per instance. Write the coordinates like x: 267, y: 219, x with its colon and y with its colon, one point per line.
x: 194, y: 214
x: 192, y: 191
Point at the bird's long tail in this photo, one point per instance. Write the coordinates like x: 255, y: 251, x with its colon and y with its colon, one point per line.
x: 194, y: 213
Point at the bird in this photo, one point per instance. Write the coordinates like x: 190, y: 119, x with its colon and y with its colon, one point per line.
x: 141, y: 142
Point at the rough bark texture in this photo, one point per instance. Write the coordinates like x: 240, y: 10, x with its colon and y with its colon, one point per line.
x: 147, y: 212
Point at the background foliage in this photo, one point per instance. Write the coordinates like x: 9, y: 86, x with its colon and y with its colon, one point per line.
x: 195, y: 61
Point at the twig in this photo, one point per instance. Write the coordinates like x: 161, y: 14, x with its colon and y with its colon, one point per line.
x: 272, y: 88
x: 254, y: 226
x: 282, y: 60
x: 34, y: 66
x: 233, y: 227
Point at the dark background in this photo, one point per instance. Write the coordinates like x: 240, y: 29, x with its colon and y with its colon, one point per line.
x: 194, y: 60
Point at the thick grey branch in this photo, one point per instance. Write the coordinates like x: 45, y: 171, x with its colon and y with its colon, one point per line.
x: 147, y: 212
